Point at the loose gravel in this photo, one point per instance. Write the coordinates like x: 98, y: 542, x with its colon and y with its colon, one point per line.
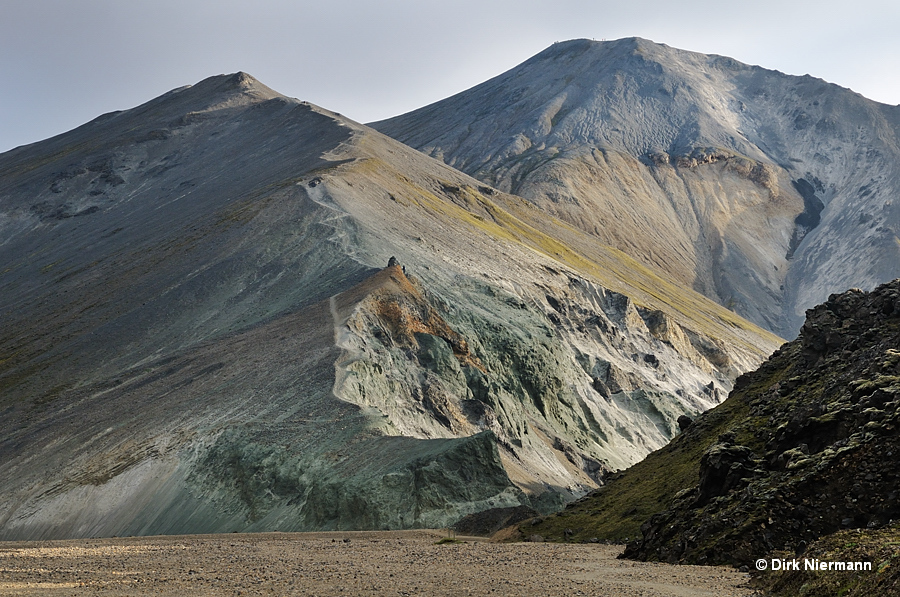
x: 404, y: 563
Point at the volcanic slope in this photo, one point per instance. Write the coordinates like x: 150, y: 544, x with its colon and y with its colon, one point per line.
x: 200, y: 333
x: 763, y: 191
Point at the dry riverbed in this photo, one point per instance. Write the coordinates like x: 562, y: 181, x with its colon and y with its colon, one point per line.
x: 360, y: 563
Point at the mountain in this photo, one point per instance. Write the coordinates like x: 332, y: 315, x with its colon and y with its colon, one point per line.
x: 763, y: 191
x: 227, y: 309
x: 803, y: 447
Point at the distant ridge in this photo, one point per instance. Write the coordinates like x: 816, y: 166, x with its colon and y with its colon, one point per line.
x: 765, y: 192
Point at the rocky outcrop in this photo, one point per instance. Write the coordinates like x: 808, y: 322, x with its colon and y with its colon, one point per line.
x: 510, y: 370
x: 816, y: 449
x: 724, y: 468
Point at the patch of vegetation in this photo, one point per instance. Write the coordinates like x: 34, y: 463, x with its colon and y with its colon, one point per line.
x: 46, y: 269
x: 513, y: 220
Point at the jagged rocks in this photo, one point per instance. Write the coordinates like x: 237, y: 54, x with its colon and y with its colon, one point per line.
x: 723, y: 468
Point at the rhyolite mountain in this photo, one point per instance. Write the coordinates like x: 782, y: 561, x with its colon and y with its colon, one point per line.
x: 763, y: 191
x: 805, y: 446
x: 203, y: 330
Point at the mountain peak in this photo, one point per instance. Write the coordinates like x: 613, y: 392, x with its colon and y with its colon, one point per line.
x: 243, y: 79
x: 583, y: 125
x: 239, y: 83
x: 624, y: 42
x: 630, y: 94
x: 609, y: 49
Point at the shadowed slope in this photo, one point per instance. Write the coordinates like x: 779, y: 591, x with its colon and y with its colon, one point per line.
x: 240, y: 434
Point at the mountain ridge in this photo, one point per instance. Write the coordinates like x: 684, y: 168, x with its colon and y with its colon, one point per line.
x: 179, y: 337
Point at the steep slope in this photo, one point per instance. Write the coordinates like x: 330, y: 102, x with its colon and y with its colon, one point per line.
x: 803, y: 447
x: 763, y: 191
x: 200, y: 334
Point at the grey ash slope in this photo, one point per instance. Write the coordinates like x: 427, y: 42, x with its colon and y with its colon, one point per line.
x: 199, y: 334
x: 766, y: 192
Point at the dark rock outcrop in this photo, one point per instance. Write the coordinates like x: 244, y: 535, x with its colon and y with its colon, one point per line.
x: 723, y: 468
x: 815, y: 452
x: 488, y: 522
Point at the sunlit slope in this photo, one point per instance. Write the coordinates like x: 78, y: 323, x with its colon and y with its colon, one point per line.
x: 763, y: 191
x: 509, y: 220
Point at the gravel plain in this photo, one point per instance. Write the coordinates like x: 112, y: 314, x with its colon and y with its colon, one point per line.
x: 403, y: 563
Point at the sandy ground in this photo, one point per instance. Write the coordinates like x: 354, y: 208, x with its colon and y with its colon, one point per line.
x: 361, y: 563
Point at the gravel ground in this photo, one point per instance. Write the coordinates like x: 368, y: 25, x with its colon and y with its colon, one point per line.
x: 360, y: 563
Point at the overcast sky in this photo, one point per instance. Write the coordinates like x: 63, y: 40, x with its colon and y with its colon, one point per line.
x: 64, y: 62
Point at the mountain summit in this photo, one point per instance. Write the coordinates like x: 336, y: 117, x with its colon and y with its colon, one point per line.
x: 765, y: 192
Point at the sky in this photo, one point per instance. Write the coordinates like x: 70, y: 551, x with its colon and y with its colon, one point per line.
x: 65, y: 62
